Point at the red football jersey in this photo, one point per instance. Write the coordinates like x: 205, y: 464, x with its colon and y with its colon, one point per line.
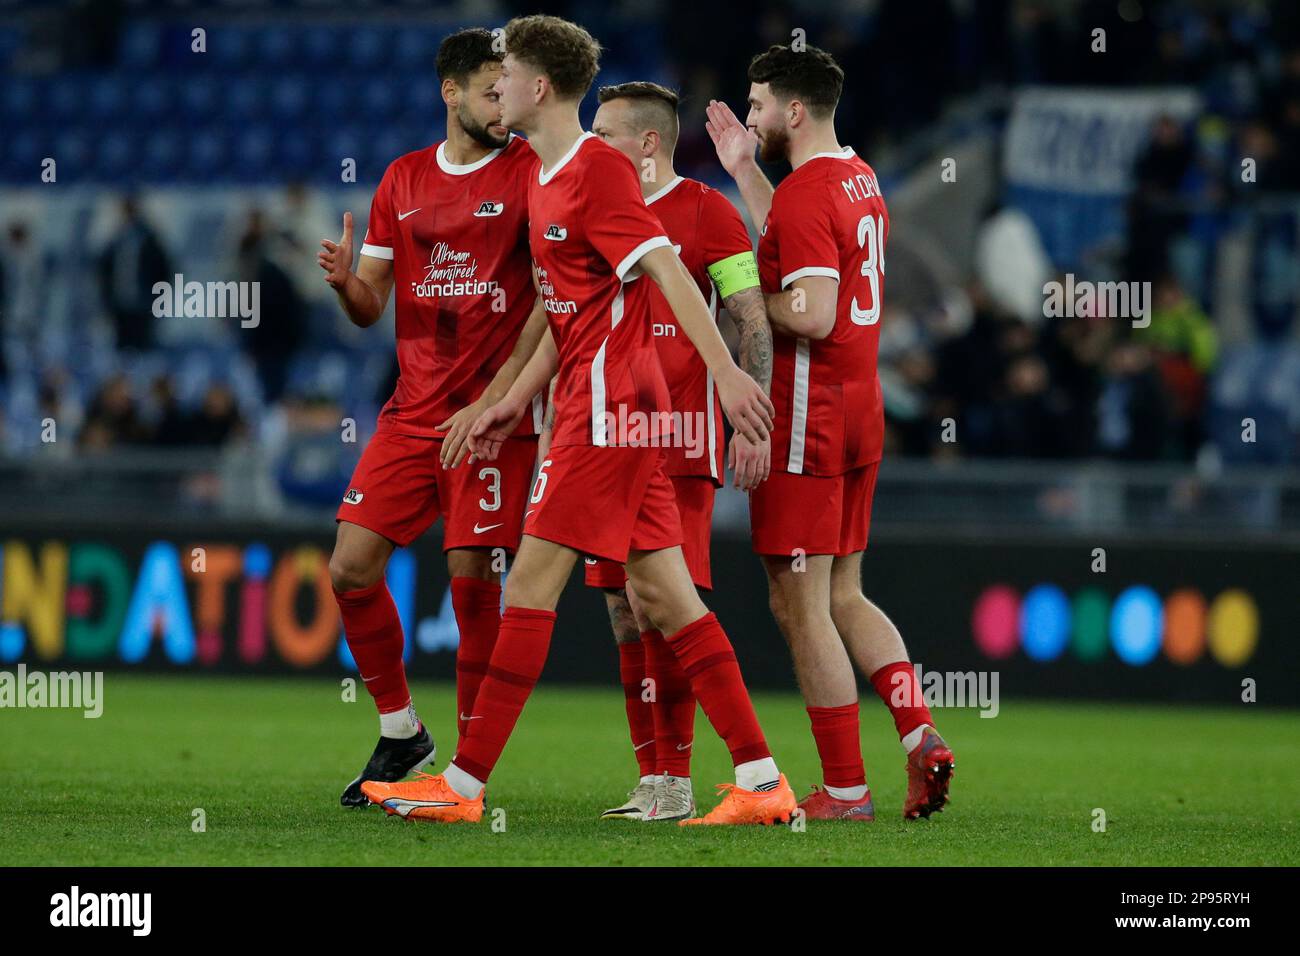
x: 458, y: 238
x: 588, y: 228
x: 828, y: 218
x: 705, y: 228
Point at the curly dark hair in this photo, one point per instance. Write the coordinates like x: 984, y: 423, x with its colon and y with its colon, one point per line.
x: 463, y: 52
x: 811, y: 76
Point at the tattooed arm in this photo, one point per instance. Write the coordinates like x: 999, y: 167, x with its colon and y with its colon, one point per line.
x: 751, y: 463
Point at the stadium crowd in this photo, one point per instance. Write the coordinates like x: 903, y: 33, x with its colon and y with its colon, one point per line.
x: 1018, y: 384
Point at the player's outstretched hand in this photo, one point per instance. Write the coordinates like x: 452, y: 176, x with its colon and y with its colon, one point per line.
x: 336, y: 260
x: 493, y: 426
x: 746, y: 405
x: 455, y: 446
x: 734, y: 142
x: 750, y: 464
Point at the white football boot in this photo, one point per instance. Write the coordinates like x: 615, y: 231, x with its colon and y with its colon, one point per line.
x: 673, y: 799
x: 639, y: 801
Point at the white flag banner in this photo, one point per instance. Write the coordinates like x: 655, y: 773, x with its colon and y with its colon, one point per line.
x: 1085, y: 141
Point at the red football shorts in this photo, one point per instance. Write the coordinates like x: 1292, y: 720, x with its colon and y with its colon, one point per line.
x: 399, y: 489
x: 695, y: 508
x: 812, y: 513
x: 604, y: 502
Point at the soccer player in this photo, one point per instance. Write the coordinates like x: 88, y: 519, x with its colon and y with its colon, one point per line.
x: 601, y: 490
x: 640, y: 121
x: 448, y: 230
x: 821, y: 260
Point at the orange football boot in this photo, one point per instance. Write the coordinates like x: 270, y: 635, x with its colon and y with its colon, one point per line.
x: 425, y: 798
x: 749, y: 806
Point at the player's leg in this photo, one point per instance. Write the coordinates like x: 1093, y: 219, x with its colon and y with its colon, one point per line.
x: 674, y: 704
x: 476, y: 602
x: 483, y: 506
x: 669, y: 599
x: 878, y: 650
x: 640, y: 717
x: 533, y: 588
x: 672, y: 709
x: 391, y: 500
x: 799, y: 593
x: 374, y: 635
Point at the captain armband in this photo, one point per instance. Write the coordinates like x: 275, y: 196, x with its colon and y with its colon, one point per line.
x: 734, y: 274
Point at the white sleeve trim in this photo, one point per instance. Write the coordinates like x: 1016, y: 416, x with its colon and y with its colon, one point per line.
x: 377, y: 252
x: 826, y: 271
x: 633, y: 257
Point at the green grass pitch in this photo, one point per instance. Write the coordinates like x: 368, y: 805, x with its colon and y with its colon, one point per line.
x: 265, y: 759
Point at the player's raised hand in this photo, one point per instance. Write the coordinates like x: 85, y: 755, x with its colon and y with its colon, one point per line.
x: 750, y: 464
x: 735, y: 143
x: 491, y: 428
x: 336, y: 259
x: 746, y: 405
x: 455, y: 446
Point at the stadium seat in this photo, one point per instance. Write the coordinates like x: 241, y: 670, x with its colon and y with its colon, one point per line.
x: 140, y: 45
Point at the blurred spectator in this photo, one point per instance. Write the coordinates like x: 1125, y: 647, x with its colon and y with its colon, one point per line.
x: 1155, y: 214
x: 22, y: 292
x: 171, y: 425
x: 1132, y: 411
x: 301, y: 220
x: 283, y: 316
x: 112, y: 419
x: 132, y: 262
x: 1185, y: 346
x: 217, y: 420
x: 56, y: 402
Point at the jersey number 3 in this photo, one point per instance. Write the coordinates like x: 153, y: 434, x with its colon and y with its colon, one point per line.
x: 871, y: 239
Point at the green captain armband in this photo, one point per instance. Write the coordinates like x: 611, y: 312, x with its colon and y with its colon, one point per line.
x: 735, y: 273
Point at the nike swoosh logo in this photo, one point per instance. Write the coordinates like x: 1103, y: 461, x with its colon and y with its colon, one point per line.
x: 412, y: 804
x: 463, y: 717
x: 529, y: 511
x: 646, y: 744
x: 403, y: 215
x: 478, y: 530
x: 684, y: 746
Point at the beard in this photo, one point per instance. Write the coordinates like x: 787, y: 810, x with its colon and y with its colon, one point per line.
x: 775, y: 146
x: 479, y: 132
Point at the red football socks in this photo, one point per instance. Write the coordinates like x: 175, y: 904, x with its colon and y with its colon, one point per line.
x: 374, y: 635
x: 673, y: 708
x: 710, y: 665
x: 477, y: 605
x: 512, y: 672
x: 640, y: 719
x: 835, y: 729
x: 901, y: 691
